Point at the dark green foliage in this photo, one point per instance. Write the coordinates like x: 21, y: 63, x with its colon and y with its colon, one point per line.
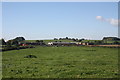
x: 79, y: 40
x: 98, y: 42
x: 12, y: 42
x: 9, y: 43
x: 55, y: 39
x: 2, y: 42
x: 7, y: 48
x: 15, y: 42
x: 111, y: 38
x: 116, y: 42
x: 73, y: 39
x: 30, y: 56
x: 39, y: 41
x: 20, y: 39
x: 14, y: 47
x: 67, y: 38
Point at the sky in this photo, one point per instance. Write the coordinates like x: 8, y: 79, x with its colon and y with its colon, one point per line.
x: 48, y: 20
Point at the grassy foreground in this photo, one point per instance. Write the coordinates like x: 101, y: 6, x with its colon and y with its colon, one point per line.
x: 61, y: 62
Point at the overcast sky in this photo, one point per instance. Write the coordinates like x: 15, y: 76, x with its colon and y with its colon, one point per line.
x: 47, y: 20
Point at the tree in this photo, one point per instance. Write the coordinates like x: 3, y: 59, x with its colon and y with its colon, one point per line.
x: 15, y: 42
x: 37, y: 41
x: 116, y: 42
x: 111, y: 38
x: 20, y: 39
x: 69, y: 38
x: 76, y: 38
x: 60, y: 38
x: 55, y: 39
x: 66, y: 37
x: 41, y: 41
x: 79, y: 40
x: 9, y: 43
x: 82, y: 39
x: 98, y: 42
x: 12, y: 42
x: 73, y: 39
x: 2, y: 42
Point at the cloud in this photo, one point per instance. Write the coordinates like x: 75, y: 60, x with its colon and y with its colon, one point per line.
x: 100, y: 18
x: 112, y: 21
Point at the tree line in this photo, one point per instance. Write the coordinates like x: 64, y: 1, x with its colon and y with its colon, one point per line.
x: 67, y: 38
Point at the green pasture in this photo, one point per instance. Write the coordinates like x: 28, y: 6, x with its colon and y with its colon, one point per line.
x: 93, y: 41
x: 46, y: 41
x: 61, y: 62
x: 90, y: 40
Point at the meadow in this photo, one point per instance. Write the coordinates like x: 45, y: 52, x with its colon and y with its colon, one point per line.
x: 61, y: 62
x: 46, y: 41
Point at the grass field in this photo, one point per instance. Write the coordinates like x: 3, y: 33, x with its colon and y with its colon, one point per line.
x: 46, y: 41
x: 61, y: 62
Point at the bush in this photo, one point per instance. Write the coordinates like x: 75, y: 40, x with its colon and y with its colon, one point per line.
x: 30, y: 56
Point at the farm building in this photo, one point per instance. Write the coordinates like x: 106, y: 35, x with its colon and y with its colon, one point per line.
x: 68, y: 43
x: 85, y: 43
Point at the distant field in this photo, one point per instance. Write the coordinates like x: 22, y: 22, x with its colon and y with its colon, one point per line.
x: 46, y: 41
x: 61, y: 62
x: 90, y: 40
x: 99, y: 40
